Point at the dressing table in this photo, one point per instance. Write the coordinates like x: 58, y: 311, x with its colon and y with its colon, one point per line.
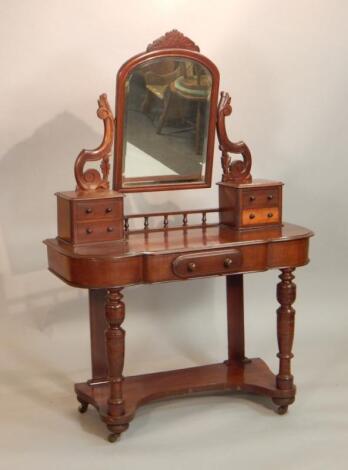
x: 168, y: 109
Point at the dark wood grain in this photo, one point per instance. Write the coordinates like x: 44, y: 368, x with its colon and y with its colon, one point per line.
x: 251, y: 205
x: 235, y: 318
x: 98, y: 326
x: 91, y: 180
x: 253, y: 376
x: 99, y: 249
x: 207, y: 263
x: 286, y: 295
x: 235, y: 171
x: 115, y: 313
x: 174, y: 39
x: 115, y: 337
x: 84, y: 218
x: 168, y: 217
x: 148, y: 257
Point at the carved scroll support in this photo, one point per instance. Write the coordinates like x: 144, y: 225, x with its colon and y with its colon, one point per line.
x: 92, y: 179
x: 236, y: 171
x: 115, y: 340
x: 286, y: 295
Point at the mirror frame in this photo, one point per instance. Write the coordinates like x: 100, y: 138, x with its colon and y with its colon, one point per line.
x: 122, y: 76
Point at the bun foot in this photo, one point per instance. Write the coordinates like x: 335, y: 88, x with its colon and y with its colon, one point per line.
x: 83, y: 407
x: 113, y: 437
x: 281, y: 410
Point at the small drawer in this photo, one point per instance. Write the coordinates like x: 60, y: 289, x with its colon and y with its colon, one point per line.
x: 260, y: 198
x: 89, y: 232
x: 104, y: 209
x: 266, y: 215
x: 207, y: 264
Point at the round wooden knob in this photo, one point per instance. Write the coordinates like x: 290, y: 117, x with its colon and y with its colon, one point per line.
x: 108, y: 210
x: 89, y: 210
x: 89, y: 230
x: 251, y: 198
x: 227, y: 262
x: 270, y: 197
x: 110, y: 229
x: 251, y: 216
x: 270, y: 215
x: 191, y: 267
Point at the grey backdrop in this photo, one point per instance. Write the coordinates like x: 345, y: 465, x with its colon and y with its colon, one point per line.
x: 285, y: 65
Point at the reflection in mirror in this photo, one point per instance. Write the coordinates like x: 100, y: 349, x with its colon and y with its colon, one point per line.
x: 166, y: 123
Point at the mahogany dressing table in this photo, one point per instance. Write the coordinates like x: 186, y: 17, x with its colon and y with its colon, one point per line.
x: 167, y: 111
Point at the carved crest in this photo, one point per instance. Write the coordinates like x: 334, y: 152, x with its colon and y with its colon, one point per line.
x: 91, y: 179
x: 172, y: 40
x: 235, y: 171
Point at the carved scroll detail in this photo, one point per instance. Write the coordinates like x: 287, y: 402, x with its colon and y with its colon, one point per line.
x: 172, y: 39
x: 235, y: 171
x: 91, y: 179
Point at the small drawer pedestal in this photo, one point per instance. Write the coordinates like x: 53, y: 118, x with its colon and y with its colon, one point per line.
x: 251, y: 205
x: 88, y: 217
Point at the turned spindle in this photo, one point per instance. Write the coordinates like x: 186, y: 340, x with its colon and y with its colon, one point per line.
x: 286, y: 294
x: 115, y: 335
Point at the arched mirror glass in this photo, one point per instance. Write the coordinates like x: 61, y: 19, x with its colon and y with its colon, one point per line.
x: 166, y: 123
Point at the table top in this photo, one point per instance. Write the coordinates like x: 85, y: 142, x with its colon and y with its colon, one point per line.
x: 180, y: 240
x: 150, y: 256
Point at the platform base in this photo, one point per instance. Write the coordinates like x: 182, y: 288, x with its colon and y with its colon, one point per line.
x: 252, y: 376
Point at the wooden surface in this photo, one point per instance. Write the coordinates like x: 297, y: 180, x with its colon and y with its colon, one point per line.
x: 253, y: 376
x: 90, y: 216
x: 98, y: 325
x: 91, y: 179
x: 235, y: 318
x: 147, y: 257
x: 264, y: 215
x: 245, y: 206
x: 229, y: 248
x: 235, y: 171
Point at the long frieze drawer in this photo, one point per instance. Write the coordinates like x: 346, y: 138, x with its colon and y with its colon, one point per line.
x: 266, y: 215
x: 94, y: 209
x: 206, y: 264
x: 89, y: 232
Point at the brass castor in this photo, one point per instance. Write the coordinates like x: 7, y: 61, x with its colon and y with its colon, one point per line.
x: 281, y: 410
x: 113, y: 437
x: 83, y: 407
x: 116, y: 430
x: 282, y: 404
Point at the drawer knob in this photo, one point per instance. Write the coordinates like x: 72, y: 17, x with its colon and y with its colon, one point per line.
x: 191, y: 267
x: 270, y: 215
x: 108, y: 210
x: 227, y: 262
x: 252, y: 198
x: 110, y: 229
x: 270, y: 197
x: 251, y: 216
x: 89, y: 210
x: 89, y: 230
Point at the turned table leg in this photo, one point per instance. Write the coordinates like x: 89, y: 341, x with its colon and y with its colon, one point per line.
x: 97, y: 331
x: 115, y: 340
x: 286, y: 295
x: 235, y: 318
